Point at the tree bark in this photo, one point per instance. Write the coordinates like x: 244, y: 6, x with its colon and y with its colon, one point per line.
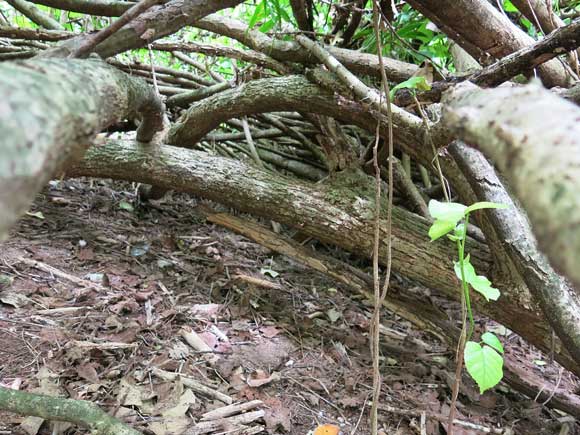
x: 85, y: 414
x: 290, y: 51
x: 339, y: 212
x: 154, y: 24
x: 297, y: 93
x: 496, y: 35
x: 51, y: 111
x: 538, y: 154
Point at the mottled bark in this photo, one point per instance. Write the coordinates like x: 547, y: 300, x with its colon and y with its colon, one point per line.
x: 154, y: 24
x: 339, y: 211
x: 297, y: 93
x: 534, y: 138
x: 85, y: 414
x: 289, y: 51
x: 495, y: 36
x: 50, y: 112
x: 508, y: 232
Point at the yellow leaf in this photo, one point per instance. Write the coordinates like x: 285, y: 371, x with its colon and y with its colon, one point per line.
x: 327, y: 429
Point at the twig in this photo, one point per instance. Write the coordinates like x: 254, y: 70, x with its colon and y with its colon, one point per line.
x: 441, y: 418
x: 59, y: 273
x: 250, y: 142
x: 379, y: 298
x: 195, y: 386
x: 91, y: 41
x: 227, y: 411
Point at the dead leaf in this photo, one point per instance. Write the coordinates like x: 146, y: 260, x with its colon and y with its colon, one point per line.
x: 327, y: 429
x: 175, y: 420
x: 206, y: 311
x: 260, y: 377
x: 277, y: 416
x: 269, y: 331
x: 88, y: 372
x: 15, y: 299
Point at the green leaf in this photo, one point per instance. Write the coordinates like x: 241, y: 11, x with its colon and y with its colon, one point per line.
x: 268, y: 271
x: 439, y: 228
x: 267, y: 26
x: 259, y: 12
x: 418, y: 82
x: 484, y: 204
x: 484, y: 365
x: 479, y: 282
x: 447, y: 211
x: 483, y: 285
x: 36, y: 214
x: 124, y: 205
x: 509, y: 7
x: 468, y: 270
x: 459, y: 231
x: 492, y: 341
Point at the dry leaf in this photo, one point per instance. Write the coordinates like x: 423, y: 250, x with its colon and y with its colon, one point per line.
x: 327, y: 429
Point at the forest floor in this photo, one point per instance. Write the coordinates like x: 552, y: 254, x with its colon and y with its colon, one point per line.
x: 103, y: 300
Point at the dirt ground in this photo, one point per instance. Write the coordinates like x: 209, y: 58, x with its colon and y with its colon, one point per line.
x: 103, y: 299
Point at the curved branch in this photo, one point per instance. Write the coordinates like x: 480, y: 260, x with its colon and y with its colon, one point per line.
x: 44, y: 126
x: 154, y: 24
x: 297, y: 93
x: 80, y: 412
x: 495, y: 37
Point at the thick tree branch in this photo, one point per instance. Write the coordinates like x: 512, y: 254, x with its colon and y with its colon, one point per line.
x: 90, y: 41
x: 44, y: 126
x: 157, y: 22
x: 332, y: 212
x: 526, y: 59
x: 496, y: 35
x: 539, y: 155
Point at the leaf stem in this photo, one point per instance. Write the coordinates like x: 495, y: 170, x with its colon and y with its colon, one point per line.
x: 465, y: 285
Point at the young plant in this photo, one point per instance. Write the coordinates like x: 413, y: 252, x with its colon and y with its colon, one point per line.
x: 483, y: 360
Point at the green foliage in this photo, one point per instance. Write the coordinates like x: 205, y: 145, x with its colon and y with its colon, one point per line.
x: 479, y: 282
x: 483, y: 361
x: 418, y: 83
x: 484, y: 364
